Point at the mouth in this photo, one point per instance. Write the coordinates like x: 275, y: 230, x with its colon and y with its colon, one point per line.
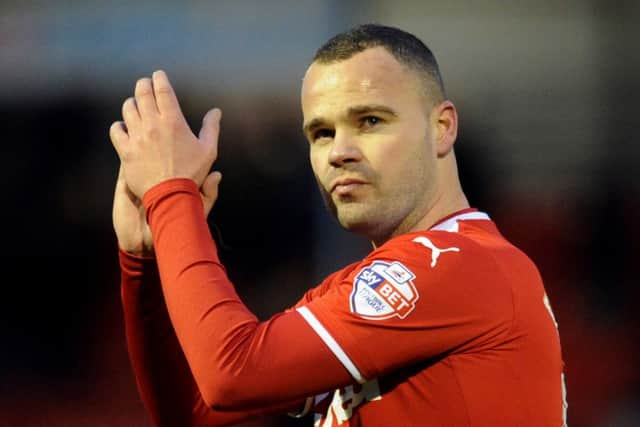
x: 344, y: 186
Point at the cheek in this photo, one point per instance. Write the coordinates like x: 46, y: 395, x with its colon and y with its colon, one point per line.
x: 316, y: 163
x: 408, y: 170
x: 405, y: 154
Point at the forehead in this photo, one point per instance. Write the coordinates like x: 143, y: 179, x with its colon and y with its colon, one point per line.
x: 371, y: 76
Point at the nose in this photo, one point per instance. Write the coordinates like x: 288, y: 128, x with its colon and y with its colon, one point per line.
x: 344, y: 149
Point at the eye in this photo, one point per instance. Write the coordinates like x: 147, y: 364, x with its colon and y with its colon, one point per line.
x: 371, y: 121
x: 322, y: 133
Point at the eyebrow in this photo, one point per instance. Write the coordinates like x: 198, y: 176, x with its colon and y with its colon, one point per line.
x: 356, y: 110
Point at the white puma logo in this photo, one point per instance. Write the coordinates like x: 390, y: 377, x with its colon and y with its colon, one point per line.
x: 435, y: 252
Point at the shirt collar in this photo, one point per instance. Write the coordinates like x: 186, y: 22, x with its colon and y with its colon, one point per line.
x: 450, y: 223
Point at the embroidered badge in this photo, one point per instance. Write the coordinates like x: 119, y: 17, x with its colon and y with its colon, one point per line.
x: 383, y: 290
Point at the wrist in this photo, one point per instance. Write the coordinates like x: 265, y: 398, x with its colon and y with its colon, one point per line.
x: 137, y: 251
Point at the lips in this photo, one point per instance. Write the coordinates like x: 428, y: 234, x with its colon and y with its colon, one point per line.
x: 345, y: 185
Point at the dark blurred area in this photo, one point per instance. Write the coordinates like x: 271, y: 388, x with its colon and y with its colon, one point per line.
x: 547, y: 97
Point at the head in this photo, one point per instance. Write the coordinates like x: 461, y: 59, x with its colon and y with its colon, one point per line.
x: 381, y: 132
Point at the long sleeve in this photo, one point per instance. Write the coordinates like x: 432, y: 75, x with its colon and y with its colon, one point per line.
x: 163, y: 377
x: 237, y: 362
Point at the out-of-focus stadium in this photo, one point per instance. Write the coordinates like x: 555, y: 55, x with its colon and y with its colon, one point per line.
x: 547, y: 93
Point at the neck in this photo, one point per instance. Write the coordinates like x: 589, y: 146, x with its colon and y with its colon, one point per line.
x: 447, y: 204
x: 450, y: 197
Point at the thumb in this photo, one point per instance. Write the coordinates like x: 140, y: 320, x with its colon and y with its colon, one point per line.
x: 121, y: 184
x: 120, y: 180
x: 122, y: 189
x: 209, y: 190
x: 210, y: 131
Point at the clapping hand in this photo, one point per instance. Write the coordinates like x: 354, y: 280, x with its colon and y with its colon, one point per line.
x: 154, y: 144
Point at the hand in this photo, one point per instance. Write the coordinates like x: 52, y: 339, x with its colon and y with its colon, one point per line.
x: 155, y: 142
x: 129, y: 221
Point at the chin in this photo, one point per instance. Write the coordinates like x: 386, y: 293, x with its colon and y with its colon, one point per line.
x: 357, y: 222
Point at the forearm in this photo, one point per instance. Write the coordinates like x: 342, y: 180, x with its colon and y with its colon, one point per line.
x: 163, y: 377
x: 237, y: 361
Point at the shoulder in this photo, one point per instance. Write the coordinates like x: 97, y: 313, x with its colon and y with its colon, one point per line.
x: 432, y: 274
x: 433, y: 248
x: 452, y: 264
x: 330, y: 281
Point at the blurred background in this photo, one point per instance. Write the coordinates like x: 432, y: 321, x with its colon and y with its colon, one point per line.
x: 547, y: 93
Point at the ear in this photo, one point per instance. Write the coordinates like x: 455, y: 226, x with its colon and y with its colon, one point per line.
x: 445, y: 117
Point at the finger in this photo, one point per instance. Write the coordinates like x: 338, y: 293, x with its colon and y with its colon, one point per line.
x: 123, y: 188
x: 210, y: 184
x: 210, y: 190
x: 145, y: 98
x: 166, y: 98
x: 118, y: 132
x: 118, y: 135
x: 130, y: 114
x: 210, y: 131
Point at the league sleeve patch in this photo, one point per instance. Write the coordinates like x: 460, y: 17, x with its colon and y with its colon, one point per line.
x: 383, y: 290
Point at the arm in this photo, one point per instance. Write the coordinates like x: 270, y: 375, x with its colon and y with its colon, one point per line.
x: 165, y: 383
x: 162, y: 374
x: 163, y: 377
x: 237, y: 361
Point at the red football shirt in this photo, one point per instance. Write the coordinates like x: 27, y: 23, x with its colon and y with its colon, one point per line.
x: 447, y: 326
x: 450, y: 326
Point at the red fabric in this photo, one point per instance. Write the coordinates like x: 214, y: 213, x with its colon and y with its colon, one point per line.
x: 472, y: 344
x: 480, y: 348
x: 197, y: 351
x: 164, y: 379
x: 166, y: 385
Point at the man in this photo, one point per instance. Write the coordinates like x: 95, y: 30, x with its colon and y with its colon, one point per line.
x: 443, y: 323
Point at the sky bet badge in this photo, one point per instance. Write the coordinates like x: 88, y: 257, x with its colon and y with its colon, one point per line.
x: 383, y: 290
